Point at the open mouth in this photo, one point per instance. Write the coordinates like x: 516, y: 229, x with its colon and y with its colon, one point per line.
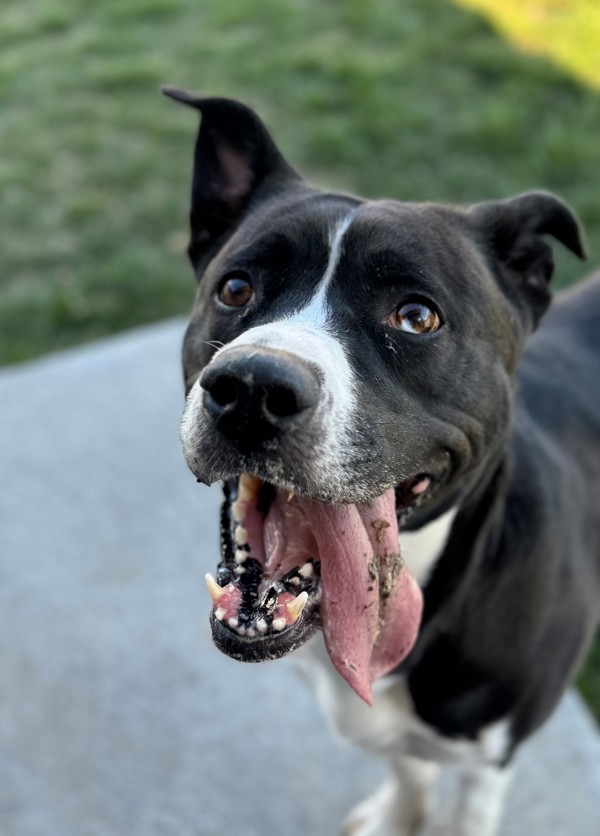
x: 266, y: 599
x: 290, y: 564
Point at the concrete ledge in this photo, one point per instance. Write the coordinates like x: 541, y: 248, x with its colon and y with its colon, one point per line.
x: 117, y: 716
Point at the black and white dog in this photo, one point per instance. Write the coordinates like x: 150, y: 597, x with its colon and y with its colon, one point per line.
x: 361, y: 374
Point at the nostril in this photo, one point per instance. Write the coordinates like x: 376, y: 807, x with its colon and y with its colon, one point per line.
x: 259, y: 392
x: 282, y: 402
x: 225, y: 391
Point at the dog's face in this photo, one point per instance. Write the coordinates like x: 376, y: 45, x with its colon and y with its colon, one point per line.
x: 346, y: 361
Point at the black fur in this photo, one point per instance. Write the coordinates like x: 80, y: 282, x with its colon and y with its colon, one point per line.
x: 504, y: 420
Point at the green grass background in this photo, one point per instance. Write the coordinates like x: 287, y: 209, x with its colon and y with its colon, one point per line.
x: 415, y: 99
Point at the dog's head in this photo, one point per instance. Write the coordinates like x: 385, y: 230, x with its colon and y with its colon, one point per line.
x: 347, y: 362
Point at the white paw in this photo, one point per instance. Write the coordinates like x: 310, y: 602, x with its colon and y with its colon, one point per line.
x: 384, y: 814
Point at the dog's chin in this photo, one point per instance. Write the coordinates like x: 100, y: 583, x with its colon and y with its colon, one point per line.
x: 267, y: 594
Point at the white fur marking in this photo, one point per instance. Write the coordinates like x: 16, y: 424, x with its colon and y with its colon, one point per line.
x: 422, y: 548
x: 317, y: 303
x: 495, y: 740
x: 392, y: 728
x: 391, y: 725
x: 316, y: 316
x: 400, y: 806
x: 481, y: 801
x: 308, y: 334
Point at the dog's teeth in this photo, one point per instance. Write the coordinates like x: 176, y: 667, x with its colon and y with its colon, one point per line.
x: 239, y: 570
x: 261, y: 625
x: 214, y: 590
x: 296, y: 606
x: 295, y: 581
x: 241, y: 630
x: 233, y: 621
x: 248, y: 487
x: 291, y: 495
x: 307, y: 571
x: 279, y: 624
x: 238, y: 510
x: 241, y: 536
x: 220, y: 614
x: 251, y: 632
x: 240, y: 556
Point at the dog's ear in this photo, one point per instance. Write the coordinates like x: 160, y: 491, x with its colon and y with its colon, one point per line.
x: 234, y: 157
x: 511, y: 233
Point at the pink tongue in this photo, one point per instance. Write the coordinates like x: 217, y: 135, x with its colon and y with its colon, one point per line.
x: 371, y: 605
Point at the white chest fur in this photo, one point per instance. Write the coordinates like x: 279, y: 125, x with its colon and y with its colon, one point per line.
x: 390, y: 726
x: 422, y: 548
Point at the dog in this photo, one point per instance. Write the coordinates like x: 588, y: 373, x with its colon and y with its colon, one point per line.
x: 362, y: 374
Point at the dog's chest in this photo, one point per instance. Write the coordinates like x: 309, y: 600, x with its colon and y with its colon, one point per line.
x: 391, y: 725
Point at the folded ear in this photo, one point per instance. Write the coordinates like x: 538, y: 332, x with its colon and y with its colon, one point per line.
x: 511, y: 231
x: 234, y: 157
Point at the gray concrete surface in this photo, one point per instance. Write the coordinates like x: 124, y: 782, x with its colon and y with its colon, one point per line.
x: 117, y: 716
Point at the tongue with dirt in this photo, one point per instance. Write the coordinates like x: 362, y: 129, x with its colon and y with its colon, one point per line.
x: 371, y: 605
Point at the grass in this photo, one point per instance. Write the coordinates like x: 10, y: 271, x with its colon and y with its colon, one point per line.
x: 417, y: 99
x: 566, y: 30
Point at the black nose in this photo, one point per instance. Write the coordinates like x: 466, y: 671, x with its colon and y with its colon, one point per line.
x: 256, y: 393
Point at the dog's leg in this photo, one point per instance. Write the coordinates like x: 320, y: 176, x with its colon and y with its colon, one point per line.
x: 401, y: 806
x: 481, y: 801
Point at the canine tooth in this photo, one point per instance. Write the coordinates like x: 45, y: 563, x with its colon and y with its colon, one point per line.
x: 279, y: 624
x: 238, y: 510
x: 291, y: 495
x: 307, y: 571
x: 295, y: 581
x: 220, y: 614
x: 241, y: 535
x: 261, y: 625
x: 240, y: 555
x: 239, y: 570
x: 296, y: 606
x: 233, y: 621
x: 214, y: 590
x: 248, y: 487
x: 250, y: 632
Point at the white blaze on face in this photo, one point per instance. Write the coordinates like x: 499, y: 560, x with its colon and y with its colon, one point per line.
x: 308, y: 334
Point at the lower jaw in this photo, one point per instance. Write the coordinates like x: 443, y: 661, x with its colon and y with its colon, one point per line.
x: 264, y: 648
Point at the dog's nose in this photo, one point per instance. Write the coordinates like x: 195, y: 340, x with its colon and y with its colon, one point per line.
x: 255, y: 393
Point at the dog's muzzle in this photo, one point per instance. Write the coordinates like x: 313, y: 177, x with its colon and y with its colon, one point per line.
x: 293, y: 556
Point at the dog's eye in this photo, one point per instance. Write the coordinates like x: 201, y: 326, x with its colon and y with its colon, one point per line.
x: 236, y: 292
x: 415, y: 318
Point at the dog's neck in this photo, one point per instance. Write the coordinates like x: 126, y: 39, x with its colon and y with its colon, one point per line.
x: 431, y: 533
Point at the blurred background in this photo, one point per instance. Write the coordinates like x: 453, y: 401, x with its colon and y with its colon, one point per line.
x: 414, y: 99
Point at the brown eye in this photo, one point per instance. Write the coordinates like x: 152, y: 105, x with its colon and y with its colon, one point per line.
x: 415, y: 318
x: 236, y: 292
